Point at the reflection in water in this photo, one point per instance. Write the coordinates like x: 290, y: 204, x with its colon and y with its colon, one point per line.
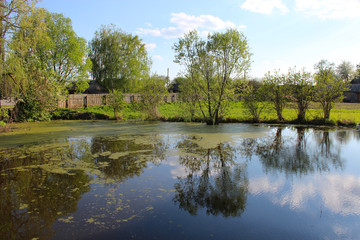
x: 295, y: 155
x: 102, y: 184
x: 35, y: 192
x: 122, y: 157
x: 214, y: 181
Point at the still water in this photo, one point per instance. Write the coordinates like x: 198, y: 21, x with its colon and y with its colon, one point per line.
x: 109, y: 180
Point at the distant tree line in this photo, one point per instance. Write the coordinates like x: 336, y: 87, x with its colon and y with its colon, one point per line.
x: 326, y: 87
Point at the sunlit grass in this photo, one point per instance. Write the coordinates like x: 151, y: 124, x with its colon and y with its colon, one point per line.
x: 343, y: 112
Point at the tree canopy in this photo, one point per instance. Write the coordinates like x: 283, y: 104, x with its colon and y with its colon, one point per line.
x: 120, y: 60
x: 211, y: 64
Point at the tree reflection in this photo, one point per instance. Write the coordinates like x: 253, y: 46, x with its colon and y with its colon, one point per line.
x: 123, y: 158
x: 33, y: 196
x: 214, y: 182
x: 307, y: 152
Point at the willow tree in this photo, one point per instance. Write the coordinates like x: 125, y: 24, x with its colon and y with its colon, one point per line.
x: 11, y: 15
x: 120, y: 60
x: 32, y: 83
x: 211, y: 65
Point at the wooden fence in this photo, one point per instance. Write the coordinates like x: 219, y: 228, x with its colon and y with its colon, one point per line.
x: 88, y: 100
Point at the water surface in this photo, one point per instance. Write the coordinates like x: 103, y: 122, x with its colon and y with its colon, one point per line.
x: 110, y: 180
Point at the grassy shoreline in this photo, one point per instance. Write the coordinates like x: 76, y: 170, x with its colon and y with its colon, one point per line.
x: 343, y: 115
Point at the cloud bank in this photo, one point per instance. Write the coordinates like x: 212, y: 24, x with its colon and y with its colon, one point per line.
x: 183, y: 23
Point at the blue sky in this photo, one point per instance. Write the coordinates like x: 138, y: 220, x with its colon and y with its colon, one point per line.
x: 280, y: 33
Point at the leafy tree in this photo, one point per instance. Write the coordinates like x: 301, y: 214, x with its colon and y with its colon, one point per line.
x: 254, y: 99
x: 357, y: 73
x: 329, y: 87
x: 210, y: 65
x: 301, y: 90
x: 45, y: 56
x: 275, y: 91
x: 345, y: 70
x: 120, y: 60
x: 66, y: 54
x: 187, y: 95
x: 152, y: 94
x: 11, y: 13
x: 116, y: 101
x: 32, y: 83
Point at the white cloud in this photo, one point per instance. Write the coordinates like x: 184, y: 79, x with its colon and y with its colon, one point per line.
x: 265, y: 6
x: 150, y: 46
x: 158, y: 57
x: 329, y: 9
x: 183, y: 23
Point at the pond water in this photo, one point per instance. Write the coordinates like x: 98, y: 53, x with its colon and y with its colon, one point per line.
x: 112, y: 180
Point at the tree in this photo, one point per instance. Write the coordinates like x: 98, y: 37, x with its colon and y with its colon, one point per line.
x: 11, y: 13
x: 44, y: 57
x: 301, y: 90
x: 276, y: 92
x: 345, y: 70
x: 116, y: 101
x: 152, y: 94
x: 357, y: 73
x: 187, y: 95
x: 66, y: 54
x: 120, y: 60
x: 329, y: 87
x: 211, y: 64
x: 31, y: 82
x: 254, y: 99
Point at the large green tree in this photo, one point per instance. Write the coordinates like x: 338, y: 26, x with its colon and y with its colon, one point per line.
x: 44, y: 57
x: 11, y: 13
x: 120, y: 60
x: 25, y: 70
x: 66, y: 54
x: 211, y: 65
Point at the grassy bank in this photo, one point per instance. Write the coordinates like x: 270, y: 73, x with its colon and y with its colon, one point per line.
x: 347, y: 114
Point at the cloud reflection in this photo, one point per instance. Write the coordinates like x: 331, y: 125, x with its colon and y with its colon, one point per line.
x: 339, y: 193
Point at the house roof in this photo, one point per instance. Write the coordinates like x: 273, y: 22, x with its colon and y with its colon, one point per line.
x: 95, y: 88
x: 354, y: 87
x: 356, y: 80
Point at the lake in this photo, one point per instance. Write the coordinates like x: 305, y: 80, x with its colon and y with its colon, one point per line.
x: 123, y: 180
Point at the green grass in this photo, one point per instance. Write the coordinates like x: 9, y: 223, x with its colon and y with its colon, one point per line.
x: 343, y: 113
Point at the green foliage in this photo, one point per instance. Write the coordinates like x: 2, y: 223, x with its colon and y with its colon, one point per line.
x: 32, y: 83
x: 301, y: 90
x: 210, y: 65
x: 116, y: 101
x: 66, y: 54
x: 120, y: 60
x: 152, y: 94
x: 44, y: 57
x: 329, y: 88
x: 345, y: 70
x: 254, y: 100
x: 275, y: 90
